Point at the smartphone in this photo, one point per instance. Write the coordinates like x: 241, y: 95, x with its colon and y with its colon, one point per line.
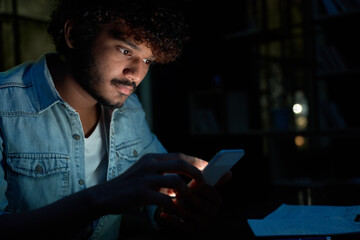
x: 220, y: 164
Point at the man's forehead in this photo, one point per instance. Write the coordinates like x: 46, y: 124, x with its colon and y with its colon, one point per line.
x: 121, y: 32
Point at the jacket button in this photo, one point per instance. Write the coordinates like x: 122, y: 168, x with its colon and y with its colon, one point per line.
x: 81, y: 182
x: 39, y: 169
x: 76, y: 136
x: 135, y: 153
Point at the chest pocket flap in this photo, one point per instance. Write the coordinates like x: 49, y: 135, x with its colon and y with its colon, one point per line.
x: 38, y: 165
x: 130, y: 150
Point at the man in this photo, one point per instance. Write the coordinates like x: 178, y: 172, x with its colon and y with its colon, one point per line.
x: 75, y: 150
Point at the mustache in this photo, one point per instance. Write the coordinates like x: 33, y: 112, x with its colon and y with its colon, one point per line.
x: 124, y: 82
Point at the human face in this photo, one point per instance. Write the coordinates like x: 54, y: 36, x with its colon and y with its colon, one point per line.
x: 116, y: 66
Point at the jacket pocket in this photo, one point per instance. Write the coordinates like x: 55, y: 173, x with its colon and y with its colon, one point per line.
x: 38, y: 165
x: 36, y: 180
x: 130, y: 151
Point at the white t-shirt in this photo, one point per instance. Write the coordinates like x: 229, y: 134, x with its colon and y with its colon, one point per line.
x: 95, y: 156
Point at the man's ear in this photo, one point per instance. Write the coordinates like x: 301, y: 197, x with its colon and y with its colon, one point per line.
x: 68, y: 27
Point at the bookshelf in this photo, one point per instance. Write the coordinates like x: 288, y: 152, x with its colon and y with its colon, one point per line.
x: 337, y: 47
x: 273, y: 57
x: 327, y: 73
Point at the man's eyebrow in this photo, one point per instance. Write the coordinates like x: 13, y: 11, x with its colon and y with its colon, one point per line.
x: 119, y: 36
x: 131, y: 44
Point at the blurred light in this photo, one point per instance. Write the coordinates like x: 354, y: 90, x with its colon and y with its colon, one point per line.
x: 168, y: 191
x: 172, y: 195
x: 199, y: 163
x: 297, y: 108
x: 299, y: 141
x: 301, y: 122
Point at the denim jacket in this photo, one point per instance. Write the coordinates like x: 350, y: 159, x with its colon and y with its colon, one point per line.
x: 42, y: 143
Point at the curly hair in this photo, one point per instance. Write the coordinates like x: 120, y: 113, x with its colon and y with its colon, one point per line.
x: 153, y: 22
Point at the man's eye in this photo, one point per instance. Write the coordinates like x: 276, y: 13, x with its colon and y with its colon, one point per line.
x: 147, y: 61
x: 125, y: 51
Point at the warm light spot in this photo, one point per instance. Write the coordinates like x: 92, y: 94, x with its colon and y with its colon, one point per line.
x: 168, y: 191
x: 172, y: 194
x: 301, y: 122
x: 200, y: 164
x: 299, y: 141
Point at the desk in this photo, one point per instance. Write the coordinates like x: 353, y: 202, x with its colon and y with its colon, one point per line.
x: 251, y: 203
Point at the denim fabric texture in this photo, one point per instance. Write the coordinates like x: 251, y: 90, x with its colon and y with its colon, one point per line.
x: 42, y: 143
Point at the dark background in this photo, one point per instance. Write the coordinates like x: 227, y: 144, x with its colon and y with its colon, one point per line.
x: 263, y: 53
x: 264, y: 58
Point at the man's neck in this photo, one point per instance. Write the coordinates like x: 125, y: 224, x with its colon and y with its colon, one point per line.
x: 72, y: 93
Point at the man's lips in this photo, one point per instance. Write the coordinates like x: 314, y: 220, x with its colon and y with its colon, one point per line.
x: 125, y: 87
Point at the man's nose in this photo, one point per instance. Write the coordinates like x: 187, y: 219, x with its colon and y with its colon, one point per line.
x: 135, y: 71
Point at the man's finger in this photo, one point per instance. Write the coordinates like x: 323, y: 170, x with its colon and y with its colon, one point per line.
x: 172, y: 181
x: 180, y: 166
x: 197, y: 162
x: 159, y: 199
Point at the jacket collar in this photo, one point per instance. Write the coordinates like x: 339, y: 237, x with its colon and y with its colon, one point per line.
x: 44, y: 89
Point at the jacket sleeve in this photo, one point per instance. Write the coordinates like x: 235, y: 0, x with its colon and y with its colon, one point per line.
x: 3, y: 182
x: 152, y: 209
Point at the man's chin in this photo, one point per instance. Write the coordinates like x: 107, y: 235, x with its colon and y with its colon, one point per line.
x: 112, y: 104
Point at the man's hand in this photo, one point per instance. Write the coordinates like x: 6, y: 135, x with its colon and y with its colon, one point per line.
x: 136, y: 187
x: 196, y: 211
x: 140, y: 184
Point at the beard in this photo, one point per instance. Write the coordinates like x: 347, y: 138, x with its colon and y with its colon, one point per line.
x: 88, y: 76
